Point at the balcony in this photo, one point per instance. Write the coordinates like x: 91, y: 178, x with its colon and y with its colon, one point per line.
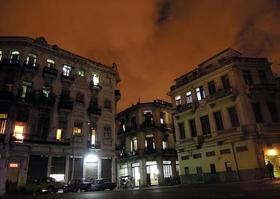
x: 33, y: 139
x: 148, y: 124
x: 220, y: 94
x: 10, y: 62
x: 261, y: 89
x: 30, y: 68
x: 67, y: 79
x: 28, y: 98
x: 169, y: 151
x: 50, y: 72
x: 184, y: 107
x: 43, y: 100
x: 94, y: 146
x: 150, y: 151
x: 93, y: 109
x: 117, y: 95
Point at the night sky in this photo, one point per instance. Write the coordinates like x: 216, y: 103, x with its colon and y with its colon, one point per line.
x: 152, y: 41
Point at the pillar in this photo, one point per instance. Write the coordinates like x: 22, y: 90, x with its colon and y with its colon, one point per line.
x: 143, y: 173
x: 66, y: 174
x: 160, y: 171
x: 49, y: 165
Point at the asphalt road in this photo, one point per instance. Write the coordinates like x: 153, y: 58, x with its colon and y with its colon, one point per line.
x: 261, y: 189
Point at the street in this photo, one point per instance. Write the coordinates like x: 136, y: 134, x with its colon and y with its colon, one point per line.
x: 257, y: 189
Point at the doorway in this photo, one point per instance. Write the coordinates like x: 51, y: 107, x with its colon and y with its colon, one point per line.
x: 12, y: 177
x: 136, y: 174
x: 152, y: 173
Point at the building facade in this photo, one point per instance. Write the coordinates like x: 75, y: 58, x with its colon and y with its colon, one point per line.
x: 227, y: 119
x: 57, y: 114
x: 146, y: 145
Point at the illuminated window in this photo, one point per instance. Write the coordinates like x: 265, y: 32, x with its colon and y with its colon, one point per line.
x: 150, y: 142
x: 164, y: 144
x: 31, y: 60
x: 15, y: 55
x: 95, y: 79
x: 18, y: 131
x: 189, y: 97
x: 46, y: 91
x: 178, y: 100
x: 162, y: 117
x: 81, y: 72
x: 93, y: 136
x: 3, y: 122
x: 50, y: 63
x: 26, y: 88
x: 66, y: 70
x: 167, y: 169
x: 200, y: 94
x: 58, y: 134
x: 1, y: 55
x: 133, y: 144
x: 77, y: 130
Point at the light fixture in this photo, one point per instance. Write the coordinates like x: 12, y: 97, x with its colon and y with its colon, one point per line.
x: 271, y: 152
x: 91, y: 158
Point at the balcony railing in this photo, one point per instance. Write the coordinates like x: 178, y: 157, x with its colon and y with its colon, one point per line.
x: 28, y: 97
x: 94, y: 87
x: 184, y: 107
x: 96, y: 145
x: 50, y: 72
x: 169, y: 151
x: 29, y: 67
x: 67, y: 78
x: 150, y: 151
x: 10, y: 62
x: 261, y: 89
x: 220, y: 94
x: 44, y: 100
x: 147, y: 124
x: 33, y: 139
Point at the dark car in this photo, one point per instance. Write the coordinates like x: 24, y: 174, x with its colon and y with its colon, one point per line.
x: 102, y: 184
x: 77, y: 184
x: 42, y: 185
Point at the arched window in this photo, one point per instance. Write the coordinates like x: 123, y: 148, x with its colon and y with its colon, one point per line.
x: 31, y: 60
x: 50, y: 63
x: 95, y: 80
x: 15, y: 55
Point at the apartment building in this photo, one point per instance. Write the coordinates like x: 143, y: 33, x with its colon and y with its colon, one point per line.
x: 227, y: 119
x: 146, y: 145
x: 57, y: 114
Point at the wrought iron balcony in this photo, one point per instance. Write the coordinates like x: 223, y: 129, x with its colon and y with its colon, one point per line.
x: 94, y: 87
x: 43, y: 100
x: 220, y: 94
x: 67, y: 78
x: 148, y: 124
x: 184, y: 107
x: 29, y: 67
x: 169, y: 151
x: 50, y: 72
x: 10, y: 62
x: 150, y: 151
x: 27, y: 98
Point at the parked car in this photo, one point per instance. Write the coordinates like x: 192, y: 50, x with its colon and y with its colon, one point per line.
x: 77, y: 184
x: 102, y: 184
x: 42, y: 185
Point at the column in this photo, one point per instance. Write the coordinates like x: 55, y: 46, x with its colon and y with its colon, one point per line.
x: 49, y: 165
x: 66, y: 174
x: 114, y: 169
x: 99, y: 168
x: 143, y: 173
x: 160, y: 172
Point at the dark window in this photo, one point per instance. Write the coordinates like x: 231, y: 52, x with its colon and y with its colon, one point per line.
x: 187, y: 171
x: 247, y: 77
x: 150, y: 143
x: 107, y: 104
x: 257, y: 112
x: 205, y: 125
x: 241, y: 148
x: 225, y: 81
x: 272, y: 108
x: 193, y: 128
x: 262, y: 76
x: 228, y: 166
x: 233, y: 116
x: 224, y: 151
x: 80, y: 97
x: 133, y: 122
x: 148, y: 117
x: 211, y: 87
x: 185, y: 157
x: 196, y: 156
x: 210, y: 153
x: 219, y: 120
x: 181, y: 150
x: 213, y: 168
x: 182, y: 130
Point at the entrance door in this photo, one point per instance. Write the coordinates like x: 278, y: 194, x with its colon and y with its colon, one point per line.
x: 12, y: 177
x: 152, y: 173
x: 275, y: 161
x: 136, y: 175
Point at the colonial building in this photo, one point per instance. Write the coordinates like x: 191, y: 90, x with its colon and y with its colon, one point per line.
x: 227, y: 119
x: 57, y: 114
x: 146, y: 145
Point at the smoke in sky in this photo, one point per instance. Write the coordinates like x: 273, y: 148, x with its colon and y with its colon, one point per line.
x: 152, y: 41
